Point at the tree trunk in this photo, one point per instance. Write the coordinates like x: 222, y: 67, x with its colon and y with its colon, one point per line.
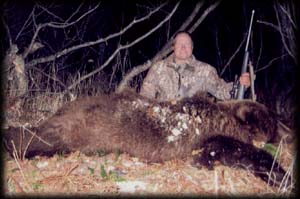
x: 16, y: 82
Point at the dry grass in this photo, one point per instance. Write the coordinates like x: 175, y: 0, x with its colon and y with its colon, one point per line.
x: 80, y: 174
x: 119, y: 174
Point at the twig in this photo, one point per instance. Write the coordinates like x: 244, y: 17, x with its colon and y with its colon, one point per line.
x: 16, y: 158
x: 279, y: 148
x: 216, y: 182
x: 18, y: 187
x: 54, y: 25
x: 166, y: 49
x: 252, y: 79
x: 26, y: 148
x: 124, y: 47
x: 75, y: 12
x: 25, y: 24
x: 15, y: 150
x: 51, y: 13
x: 203, y: 16
x: 51, y: 77
x: 232, y: 189
x: 90, y: 43
x: 289, y: 16
x: 8, y: 32
x: 270, y: 63
x: 38, y: 137
x: 288, y: 174
x: 71, y: 170
x: 234, y: 54
x: 268, y: 24
x: 282, y: 34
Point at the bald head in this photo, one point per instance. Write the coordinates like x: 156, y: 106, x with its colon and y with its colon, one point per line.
x: 183, y: 35
x: 183, y: 47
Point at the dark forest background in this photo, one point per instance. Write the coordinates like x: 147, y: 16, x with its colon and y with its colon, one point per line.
x: 91, y: 47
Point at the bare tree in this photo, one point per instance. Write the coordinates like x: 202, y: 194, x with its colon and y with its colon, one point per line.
x: 167, y: 48
x: 17, y: 63
x: 285, y: 26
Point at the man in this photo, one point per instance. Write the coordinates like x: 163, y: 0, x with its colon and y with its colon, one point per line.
x: 182, y: 75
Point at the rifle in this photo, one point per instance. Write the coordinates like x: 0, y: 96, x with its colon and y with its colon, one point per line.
x: 241, y: 89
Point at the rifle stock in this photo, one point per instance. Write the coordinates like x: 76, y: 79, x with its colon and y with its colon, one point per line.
x: 241, y: 89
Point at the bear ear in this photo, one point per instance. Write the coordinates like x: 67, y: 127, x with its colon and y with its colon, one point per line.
x: 240, y: 111
x: 250, y: 112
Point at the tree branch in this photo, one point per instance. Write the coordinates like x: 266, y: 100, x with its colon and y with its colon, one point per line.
x: 270, y: 24
x: 282, y: 36
x: 203, y: 16
x: 25, y: 24
x: 167, y: 47
x: 8, y: 32
x: 55, y: 25
x: 289, y: 16
x: 91, y: 43
x: 270, y: 62
x: 124, y: 47
x: 49, y: 76
x: 234, y: 54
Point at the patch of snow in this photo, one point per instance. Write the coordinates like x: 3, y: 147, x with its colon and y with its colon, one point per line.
x: 127, y: 163
x: 156, y: 109
x: 42, y: 164
x: 198, y: 119
x: 176, y: 131
x: 184, y: 126
x: 171, y: 138
x: 131, y: 186
x: 197, y: 131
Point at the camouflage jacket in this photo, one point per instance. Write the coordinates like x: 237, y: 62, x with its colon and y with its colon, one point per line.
x: 167, y: 80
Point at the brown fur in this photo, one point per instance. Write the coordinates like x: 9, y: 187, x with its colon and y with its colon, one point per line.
x: 131, y: 123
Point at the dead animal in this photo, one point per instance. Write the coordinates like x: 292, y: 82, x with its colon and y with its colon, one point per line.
x: 154, y: 131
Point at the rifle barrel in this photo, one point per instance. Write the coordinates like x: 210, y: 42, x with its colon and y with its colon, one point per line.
x: 241, y: 89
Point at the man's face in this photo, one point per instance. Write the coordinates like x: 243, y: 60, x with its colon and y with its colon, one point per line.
x: 183, y: 47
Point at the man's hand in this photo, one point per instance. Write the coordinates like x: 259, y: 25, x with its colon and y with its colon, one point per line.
x: 245, y: 79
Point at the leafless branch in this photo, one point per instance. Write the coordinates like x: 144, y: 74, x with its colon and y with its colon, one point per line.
x: 124, y: 47
x: 232, y: 57
x: 55, y: 25
x: 287, y: 48
x: 286, y: 33
x: 167, y: 47
x: 26, y: 23
x: 252, y: 78
x: 260, y: 50
x: 271, y: 25
x: 288, y: 15
x: 270, y: 63
x: 51, y: 13
x: 74, y: 13
x: 37, y: 137
x: 53, y: 78
x: 90, y: 43
x: 64, y: 25
x: 8, y: 32
x: 281, y: 34
x: 203, y: 16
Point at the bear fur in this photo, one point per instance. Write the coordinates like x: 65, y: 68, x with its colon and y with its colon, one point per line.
x: 152, y: 131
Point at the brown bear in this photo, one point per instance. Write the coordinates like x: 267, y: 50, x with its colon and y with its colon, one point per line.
x: 153, y: 131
